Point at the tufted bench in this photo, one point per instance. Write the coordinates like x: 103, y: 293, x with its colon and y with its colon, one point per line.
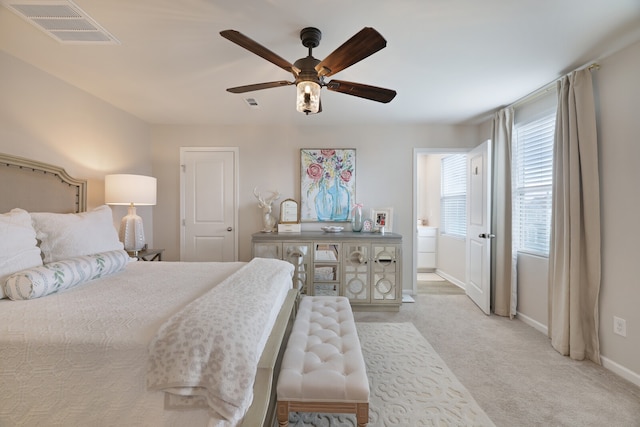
x: 323, y: 369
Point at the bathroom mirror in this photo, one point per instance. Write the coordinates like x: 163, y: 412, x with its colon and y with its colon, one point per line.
x: 289, y: 212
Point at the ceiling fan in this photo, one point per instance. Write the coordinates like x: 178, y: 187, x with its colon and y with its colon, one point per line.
x: 309, y: 72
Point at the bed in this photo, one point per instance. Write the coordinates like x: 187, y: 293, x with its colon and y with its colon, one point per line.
x: 99, y: 339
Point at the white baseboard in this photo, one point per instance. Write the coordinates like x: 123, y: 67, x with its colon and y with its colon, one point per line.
x: 451, y: 279
x: 407, y: 296
x: 609, y: 364
x: 620, y: 370
x: 533, y: 323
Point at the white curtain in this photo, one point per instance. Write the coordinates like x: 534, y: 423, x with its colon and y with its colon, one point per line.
x: 574, y: 259
x: 504, y: 287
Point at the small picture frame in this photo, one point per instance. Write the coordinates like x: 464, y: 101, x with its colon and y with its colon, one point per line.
x: 382, y: 217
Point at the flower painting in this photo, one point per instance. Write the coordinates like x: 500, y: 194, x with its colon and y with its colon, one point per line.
x: 327, y: 184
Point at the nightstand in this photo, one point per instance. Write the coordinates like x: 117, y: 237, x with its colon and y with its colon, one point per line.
x: 147, y: 254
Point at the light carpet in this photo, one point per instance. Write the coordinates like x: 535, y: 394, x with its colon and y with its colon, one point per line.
x: 410, y: 384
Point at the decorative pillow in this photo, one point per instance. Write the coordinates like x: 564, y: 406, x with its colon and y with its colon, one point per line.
x: 49, y: 278
x: 18, y: 245
x: 64, y: 236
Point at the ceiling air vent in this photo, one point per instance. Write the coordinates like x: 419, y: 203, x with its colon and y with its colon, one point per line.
x: 62, y: 20
x: 252, y: 103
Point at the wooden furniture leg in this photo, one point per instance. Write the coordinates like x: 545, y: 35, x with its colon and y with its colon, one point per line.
x: 283, y: 414
x: 362, y: 414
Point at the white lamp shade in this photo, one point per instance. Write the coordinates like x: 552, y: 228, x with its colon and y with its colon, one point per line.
x: 125, y: 189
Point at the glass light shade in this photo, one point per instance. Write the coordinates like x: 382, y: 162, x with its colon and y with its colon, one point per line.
x: 131, y: 190
x: 308, y: 97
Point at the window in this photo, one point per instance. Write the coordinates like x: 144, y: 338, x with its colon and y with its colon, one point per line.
x: 453, y: 195
x: 532, y: 177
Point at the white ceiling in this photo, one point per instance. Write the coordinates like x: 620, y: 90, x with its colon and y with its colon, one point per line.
x: 451, y: 61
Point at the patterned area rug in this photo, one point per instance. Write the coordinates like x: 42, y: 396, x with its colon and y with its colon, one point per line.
x: 410, y: 384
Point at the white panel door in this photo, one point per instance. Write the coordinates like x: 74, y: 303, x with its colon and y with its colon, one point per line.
x: 479, y: 226
x: 209, y: 204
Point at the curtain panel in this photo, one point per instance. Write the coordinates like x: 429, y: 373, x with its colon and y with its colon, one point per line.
x: 574, y: 259
x: 503, y: 261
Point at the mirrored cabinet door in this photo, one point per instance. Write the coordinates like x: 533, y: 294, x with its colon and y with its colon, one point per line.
x: 384, y: 272
x: 356, y: 272
x: 326, y: 268
x: 267, y: 250
x: 300, y: 256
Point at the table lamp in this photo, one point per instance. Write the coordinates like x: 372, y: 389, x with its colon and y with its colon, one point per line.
x: 130, y: 190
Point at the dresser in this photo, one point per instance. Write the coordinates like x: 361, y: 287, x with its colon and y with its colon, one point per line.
x: 364, y: 267
x: 427, y: 247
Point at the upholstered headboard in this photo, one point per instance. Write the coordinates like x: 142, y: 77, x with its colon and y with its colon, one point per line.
x: 39, y: 187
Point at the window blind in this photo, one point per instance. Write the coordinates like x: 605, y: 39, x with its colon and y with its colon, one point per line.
x: 532, y: 179
x: 453, y: 195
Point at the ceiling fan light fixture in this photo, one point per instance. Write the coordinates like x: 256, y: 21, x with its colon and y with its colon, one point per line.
x: 308, y: 97
x: 309, y: 73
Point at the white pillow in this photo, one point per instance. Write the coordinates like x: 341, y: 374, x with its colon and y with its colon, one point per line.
x: 18, y: 245
x: 64, y: 236
x: 53, y: 277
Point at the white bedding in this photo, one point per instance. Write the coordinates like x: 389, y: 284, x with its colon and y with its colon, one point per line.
x: 184, y: 356
x: 79, y: 357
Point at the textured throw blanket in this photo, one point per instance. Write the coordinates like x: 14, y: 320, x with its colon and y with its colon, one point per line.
x: 211, y: 348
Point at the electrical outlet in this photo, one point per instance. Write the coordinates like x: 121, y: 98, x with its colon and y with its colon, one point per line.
x: 619, y: 326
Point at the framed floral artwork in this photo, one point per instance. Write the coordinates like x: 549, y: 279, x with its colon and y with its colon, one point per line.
x: 327, y: 184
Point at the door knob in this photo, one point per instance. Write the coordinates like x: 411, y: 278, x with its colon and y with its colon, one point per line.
x: 229, y: 229
x: 486, y: 236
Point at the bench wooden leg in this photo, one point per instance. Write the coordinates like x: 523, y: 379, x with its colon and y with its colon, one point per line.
x: 282, y: 411
x: 362, y: 414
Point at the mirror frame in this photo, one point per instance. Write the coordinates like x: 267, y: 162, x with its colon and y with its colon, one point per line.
x: 286, y: 212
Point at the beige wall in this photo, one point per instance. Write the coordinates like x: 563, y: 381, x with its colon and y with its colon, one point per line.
x: 270, y: 159
x: 533, y: 292
x: 45, y: 119
x: 429, y: 189
x: 619, y: 139
x: 617, y: 96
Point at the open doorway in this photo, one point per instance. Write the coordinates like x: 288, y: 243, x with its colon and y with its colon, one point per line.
x: 434, y: 254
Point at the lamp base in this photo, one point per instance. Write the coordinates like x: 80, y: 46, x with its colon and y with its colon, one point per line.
x: 132, y: 231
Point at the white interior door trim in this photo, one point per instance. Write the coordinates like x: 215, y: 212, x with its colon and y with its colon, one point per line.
x: 417, y: 152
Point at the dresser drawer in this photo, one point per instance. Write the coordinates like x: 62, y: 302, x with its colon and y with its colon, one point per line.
x: 427, y: 260
x: 426, y: 244
x: 427, y: 231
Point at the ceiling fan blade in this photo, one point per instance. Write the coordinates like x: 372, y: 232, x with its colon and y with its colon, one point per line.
x: 258, y: 86
x: 255, y: 47
x: 373, y: 93
x: 366, y: 42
